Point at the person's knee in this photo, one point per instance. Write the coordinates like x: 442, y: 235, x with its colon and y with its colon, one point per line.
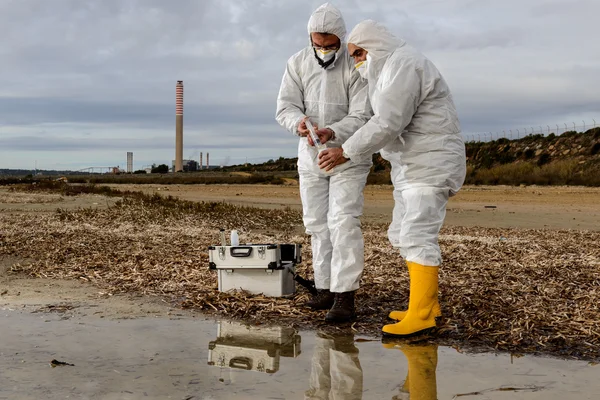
x: 342, y: 222
x: 315, y: 220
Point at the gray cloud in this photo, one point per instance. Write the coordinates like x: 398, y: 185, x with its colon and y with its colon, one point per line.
x: 68, y: 144
x: 34, y: 111
x: 91, y: 79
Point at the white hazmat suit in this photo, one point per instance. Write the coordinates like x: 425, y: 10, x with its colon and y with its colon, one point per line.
x: 416, y: 128
x: 334, y: 97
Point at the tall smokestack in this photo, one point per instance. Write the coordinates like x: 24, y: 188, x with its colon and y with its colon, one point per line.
x: 129, y: 162
x: 201, y: 166
x: 207, y: 161
x: 179, y: 127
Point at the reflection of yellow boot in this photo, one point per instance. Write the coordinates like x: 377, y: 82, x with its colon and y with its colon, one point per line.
x: 421, y: 382
x: 400, y: 315
x: 421, y: 305
x: 422, y: 363
x: 405, y: 389
x: 406, y: 386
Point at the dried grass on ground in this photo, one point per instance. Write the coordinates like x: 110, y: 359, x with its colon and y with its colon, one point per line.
x: 529, y: 291
x: 24, y: 198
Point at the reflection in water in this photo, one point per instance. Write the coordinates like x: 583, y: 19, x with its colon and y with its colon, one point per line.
x: 252, y: 348
x: 420, y: 383
x: 335, y: 371
x: 157, y: 358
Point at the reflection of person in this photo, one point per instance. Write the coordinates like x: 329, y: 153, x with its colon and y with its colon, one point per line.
x: 421, y: 381
x: 416, y: 128
x: 336, y: 372
x: 321, y: 83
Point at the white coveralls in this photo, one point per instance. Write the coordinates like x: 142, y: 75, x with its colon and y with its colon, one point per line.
x: 416, y: 128
x: 336, y: 373
x: 336, y: 98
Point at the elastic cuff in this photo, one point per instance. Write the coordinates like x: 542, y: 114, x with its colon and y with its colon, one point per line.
x: 348, y: 156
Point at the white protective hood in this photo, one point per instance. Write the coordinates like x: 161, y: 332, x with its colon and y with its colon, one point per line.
x: 375, y: 38
x: 327, y: 19
x: 378, y: 41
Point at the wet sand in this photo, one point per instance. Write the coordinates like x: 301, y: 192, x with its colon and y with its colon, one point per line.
x: 153, y: 351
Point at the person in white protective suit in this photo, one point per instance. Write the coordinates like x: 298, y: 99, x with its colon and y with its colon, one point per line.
x: 336, y: 372
x: 321, y: 83
x: 416, y: 128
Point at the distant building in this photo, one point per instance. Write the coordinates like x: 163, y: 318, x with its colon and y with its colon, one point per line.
x: 188, y: 165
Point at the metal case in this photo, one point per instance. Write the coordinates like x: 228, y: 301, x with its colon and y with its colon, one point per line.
x: 257, y: 268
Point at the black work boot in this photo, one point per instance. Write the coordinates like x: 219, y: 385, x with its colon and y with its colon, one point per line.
x: 343, y: 308
x: 323, y: 300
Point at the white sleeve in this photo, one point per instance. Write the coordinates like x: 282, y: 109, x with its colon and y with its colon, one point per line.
x: 359, y: 109
x: 290, y: 101
x: 397, y: 102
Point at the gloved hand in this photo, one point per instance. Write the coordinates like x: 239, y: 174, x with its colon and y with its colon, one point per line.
x: 330, y: 158
x: 304, y: 132
x: 325, y: 135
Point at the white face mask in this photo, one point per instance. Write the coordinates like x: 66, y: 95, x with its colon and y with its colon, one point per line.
x: 361, y: 67
x: 325, y: 55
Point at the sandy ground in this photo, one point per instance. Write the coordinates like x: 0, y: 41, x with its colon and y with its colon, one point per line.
x: 138, y: 347
x: 41, y: 202
x: 132, y: 347
x: 72, y: 298
x: 486, y: 206
x: 65, y: 297
x: 526, y: 207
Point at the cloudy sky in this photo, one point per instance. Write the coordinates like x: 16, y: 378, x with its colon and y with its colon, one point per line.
x: 84, y: 81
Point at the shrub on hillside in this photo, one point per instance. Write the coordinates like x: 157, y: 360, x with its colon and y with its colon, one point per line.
x: 569, y: 134
x: 544, y: 159
x: 563, y: 172
x: 529, y: 153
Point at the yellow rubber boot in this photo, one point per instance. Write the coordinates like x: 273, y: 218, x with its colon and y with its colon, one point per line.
x: 422, y: 365
x: 400, y: 315
x: 420, y: 316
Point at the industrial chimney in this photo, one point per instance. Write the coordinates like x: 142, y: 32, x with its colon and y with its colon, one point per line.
x: 201, y: 166
x: 129, y: 162
x: 207, y: 161
x: 179, y: 127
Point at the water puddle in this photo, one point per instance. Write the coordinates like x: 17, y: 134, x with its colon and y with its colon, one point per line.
x: 194, y: 359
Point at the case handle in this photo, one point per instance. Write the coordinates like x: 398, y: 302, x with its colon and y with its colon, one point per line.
x: 240, y: 251
x: 241, y: 363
